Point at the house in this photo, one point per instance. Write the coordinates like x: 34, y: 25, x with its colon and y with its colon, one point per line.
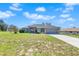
x: 70, y: 31
x: 46, y: 28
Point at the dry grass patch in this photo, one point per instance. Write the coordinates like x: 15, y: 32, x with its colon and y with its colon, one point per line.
x: 35, y: 45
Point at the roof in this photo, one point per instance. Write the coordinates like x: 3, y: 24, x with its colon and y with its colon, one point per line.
x: 70, y: 29
x: 42, y: 26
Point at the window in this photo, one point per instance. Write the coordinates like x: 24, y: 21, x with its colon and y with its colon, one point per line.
x: 77, y: 32
x: 42, y: 29
x: 70, y: 31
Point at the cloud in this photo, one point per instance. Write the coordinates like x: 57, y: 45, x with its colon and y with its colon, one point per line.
x: 63, y: 20
x: 33, y: 22
x: 16, y: 7
x: 41, y: 9
x: 65, y: 15
x: 70, y: 19
x: 69, y: 7
x: 37, y: 16
x: 6, y: 14
x: 71, y: 4
x: 59, y: 9
x: 72, y: 25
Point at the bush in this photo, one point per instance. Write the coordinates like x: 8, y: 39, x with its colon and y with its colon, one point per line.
x: 21, y: 31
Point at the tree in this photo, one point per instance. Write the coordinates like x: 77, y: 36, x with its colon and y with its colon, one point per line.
x: 23, y: 30
x: 3, y: 25
x: 13, y: 28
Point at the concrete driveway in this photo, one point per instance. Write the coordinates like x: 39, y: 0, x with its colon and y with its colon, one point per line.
x: 67, y: 39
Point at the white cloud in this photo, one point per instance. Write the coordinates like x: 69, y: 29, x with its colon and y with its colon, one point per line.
x: 70, y: 19
x: 72, y: 25
x: 71, y: 4
x: 6, y: 14
x: 59, y: 9
x: 65, y: 15
x: 33, y: 22
x: 16, y: 7
x: 63, y: 20
x: 69, y: 7
x: 41, y: 9
x: 38, y: 16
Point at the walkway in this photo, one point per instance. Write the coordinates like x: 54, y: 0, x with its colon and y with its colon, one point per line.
x: 68, y: 39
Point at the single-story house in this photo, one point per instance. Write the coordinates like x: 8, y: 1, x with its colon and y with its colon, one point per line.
x: 44, y: 28
x: 70, y: 31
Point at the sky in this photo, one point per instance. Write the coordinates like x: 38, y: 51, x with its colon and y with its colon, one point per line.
x: 64, y: 15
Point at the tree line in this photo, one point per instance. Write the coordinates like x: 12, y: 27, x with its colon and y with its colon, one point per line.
x: 10, y: 28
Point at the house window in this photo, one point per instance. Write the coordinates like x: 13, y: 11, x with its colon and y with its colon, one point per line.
x: 38, y: 30
x: 70, y: 31
x: 77, y: 32
x: 42, y: 30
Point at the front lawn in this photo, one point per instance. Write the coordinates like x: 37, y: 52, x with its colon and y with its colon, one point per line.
x: 22, y: 44
x: 74, y: 35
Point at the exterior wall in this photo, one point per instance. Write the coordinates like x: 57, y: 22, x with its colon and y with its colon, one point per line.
x: 69, y: 32
x: 32, y: 29
x: 37, y: 30
x: 48, y: 30
x: 52, y: 31
x: 41, y: 30
x: 75, y: 32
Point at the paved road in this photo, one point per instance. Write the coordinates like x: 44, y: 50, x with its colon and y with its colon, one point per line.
x: 68, y: 39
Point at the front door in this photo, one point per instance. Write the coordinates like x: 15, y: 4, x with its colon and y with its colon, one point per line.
x: 42, y: 30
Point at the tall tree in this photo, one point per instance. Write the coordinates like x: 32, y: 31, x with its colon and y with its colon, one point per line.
x: 13, y: 28
x: 3, y: 25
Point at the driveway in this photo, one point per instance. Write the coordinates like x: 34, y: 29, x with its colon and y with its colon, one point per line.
x: 67, y: 39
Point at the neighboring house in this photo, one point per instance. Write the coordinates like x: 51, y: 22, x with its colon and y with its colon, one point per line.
x: 24, y: 29
x: 44, y: 28
x: 70, y: 31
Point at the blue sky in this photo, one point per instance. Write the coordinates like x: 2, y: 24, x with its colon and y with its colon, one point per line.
x: 23, y: 14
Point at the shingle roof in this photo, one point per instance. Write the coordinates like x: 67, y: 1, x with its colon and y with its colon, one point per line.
x: 70, y: 29
x: 42, y: 26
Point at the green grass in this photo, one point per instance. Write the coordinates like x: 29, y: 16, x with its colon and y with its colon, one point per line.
x: 74, y: 35
x: 25, y: 44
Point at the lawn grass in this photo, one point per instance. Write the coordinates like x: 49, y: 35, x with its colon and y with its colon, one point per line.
x: 74, y: 35
x: 25, y: 44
